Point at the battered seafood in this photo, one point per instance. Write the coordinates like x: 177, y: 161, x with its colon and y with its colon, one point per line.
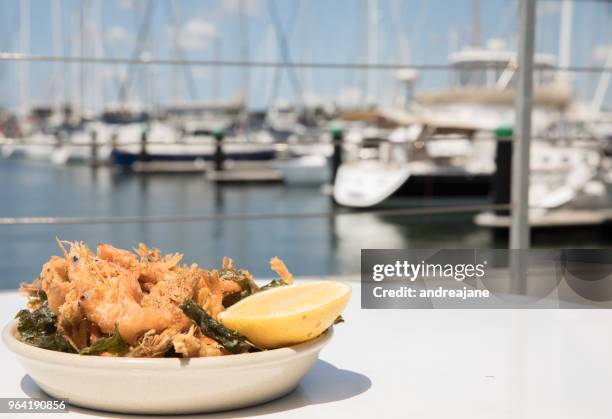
x: 139, y: 304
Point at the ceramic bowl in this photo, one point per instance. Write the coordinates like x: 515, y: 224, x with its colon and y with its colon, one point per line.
x: 166, y: 385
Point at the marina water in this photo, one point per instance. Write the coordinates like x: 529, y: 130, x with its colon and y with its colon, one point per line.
x: 310, y: 246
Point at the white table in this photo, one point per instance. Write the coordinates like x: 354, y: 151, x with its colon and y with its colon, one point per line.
x: 433, y: 364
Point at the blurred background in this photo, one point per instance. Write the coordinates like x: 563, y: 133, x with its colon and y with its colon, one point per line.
x: 306, y: 130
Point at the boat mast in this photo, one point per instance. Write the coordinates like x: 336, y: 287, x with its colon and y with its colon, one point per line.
x: 216, y: 69
x: 58, y: 51
x: 97, y: 40
x: 243, y: 28
x: 175, y: 14
x: 81, y: 106
x: 373, y: 58
x: 370, y: 47
x: 244, y: 51
x: 565, y: 38
x: 179, y: 55
x: 475, y: 23
x: 24, y: 66
x: 603, y: 84
x: 400, y: 33
x: 406, y: 77
x: 151, y: 72
x: 366, y: 51
x: 139, y: 47
x: 283, y: 48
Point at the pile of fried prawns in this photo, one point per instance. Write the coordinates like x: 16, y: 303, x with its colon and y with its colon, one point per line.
x: 138, y: 294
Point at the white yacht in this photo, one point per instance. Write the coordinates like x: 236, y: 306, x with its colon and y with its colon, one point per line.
x: 569, y: 185
x: 37, y: 138
x: 36, y: 146
x: 442, y: 145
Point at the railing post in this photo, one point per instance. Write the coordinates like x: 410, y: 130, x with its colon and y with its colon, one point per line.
x: 337, y: 134
x: 519, y: 230
x: 503, y: 167
x: 143, y: 146
x: 519, y: 227
x: 94, y: 148
x: 219, y: 157
x: 59, y: 139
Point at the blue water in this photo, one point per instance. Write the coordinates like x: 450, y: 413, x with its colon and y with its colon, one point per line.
x: 313, y: 246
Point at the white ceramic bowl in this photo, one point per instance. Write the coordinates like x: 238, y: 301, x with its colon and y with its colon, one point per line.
x: 166, y: 385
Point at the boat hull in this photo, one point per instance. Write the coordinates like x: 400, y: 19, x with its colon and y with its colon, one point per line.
x: 308, y: 170
x: 128, y: 158
x: 369, y: 183
x: 446, y: 186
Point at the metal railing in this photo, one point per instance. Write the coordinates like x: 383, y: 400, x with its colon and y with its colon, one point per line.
x: 432, y: 210
x: 283, y: 145
x: 19, y: 56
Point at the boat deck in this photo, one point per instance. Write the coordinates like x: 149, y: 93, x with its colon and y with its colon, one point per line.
x: 554, y: 218
x: 247, y: 175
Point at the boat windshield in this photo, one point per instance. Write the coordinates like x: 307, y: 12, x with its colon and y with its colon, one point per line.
x: 496, y: 73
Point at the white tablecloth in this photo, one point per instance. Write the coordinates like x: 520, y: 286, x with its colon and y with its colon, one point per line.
x: 432, y: 364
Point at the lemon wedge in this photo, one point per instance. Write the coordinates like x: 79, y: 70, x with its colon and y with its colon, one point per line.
x: 289, y: 314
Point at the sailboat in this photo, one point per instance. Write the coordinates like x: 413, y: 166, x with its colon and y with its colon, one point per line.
x: 192, y: 139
